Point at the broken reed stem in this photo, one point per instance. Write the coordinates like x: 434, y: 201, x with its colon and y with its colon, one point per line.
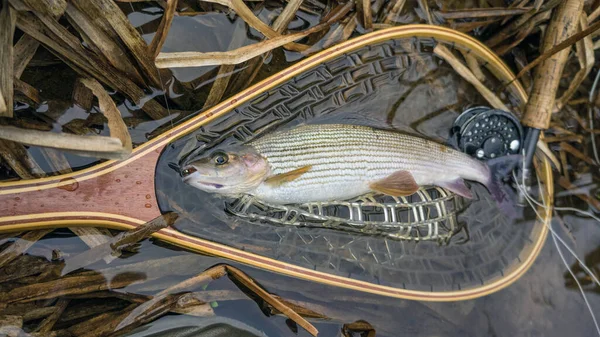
x: 19, y: 159
x: 461, y: 69
x: 163, y: 29
x: 547, y: 76
x: 118, y: 146
x: 275, y: 303
x: 108, y: 147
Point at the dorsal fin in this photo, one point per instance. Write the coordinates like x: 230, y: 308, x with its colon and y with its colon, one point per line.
x: 281, y: 178
x: 398, y: 184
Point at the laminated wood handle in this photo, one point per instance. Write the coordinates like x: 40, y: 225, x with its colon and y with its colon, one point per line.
x: 547, y: 75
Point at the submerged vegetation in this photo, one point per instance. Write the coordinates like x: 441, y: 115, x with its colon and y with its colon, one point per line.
x: 89, y: 80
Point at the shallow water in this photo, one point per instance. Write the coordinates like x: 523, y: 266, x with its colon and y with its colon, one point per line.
x: 542, y: 302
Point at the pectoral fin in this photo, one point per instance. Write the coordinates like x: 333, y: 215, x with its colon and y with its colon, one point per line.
x: 457, y: 186
x: 281, y: 178
x: 398, y: 184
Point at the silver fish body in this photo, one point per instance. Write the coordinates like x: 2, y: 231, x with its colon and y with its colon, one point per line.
x: 345, y: 160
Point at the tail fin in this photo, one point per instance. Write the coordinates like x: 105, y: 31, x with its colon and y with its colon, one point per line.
x: 500, y: 169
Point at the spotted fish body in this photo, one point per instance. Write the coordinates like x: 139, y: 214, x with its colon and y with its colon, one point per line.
x: 345, y: 161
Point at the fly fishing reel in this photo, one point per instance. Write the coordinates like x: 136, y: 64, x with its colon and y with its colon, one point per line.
x: 486, y: 133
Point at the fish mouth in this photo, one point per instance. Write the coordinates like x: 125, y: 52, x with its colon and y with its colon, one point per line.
x: 211, y: 184
x: 187, y: 171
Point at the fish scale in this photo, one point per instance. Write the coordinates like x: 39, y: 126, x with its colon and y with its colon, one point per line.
x: 346, y: 159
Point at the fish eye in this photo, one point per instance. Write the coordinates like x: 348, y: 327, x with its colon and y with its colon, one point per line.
x: 220, y: 158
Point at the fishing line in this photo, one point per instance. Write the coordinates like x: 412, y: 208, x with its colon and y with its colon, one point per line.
x: 531, y: 202
x: 591, y: 117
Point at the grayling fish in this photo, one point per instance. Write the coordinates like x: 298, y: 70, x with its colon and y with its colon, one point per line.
x: 334, y: 162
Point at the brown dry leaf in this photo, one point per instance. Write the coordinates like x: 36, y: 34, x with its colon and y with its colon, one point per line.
x: 7, y: 30
x: 463, y: 71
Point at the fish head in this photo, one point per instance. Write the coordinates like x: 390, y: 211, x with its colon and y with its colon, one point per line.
x: 228, y: 172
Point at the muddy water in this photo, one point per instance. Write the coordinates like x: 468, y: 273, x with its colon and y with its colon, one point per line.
x: 542, y: 303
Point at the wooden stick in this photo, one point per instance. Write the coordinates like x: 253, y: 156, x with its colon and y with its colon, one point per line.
x: 547, y: 76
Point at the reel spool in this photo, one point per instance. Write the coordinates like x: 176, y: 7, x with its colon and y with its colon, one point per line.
x: 486, y: 133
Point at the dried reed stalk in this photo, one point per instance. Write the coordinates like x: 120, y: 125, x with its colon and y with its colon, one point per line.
x: 481, y: 12
x: 24, y: 50
x: 393, y: 13
x: 163, y: 29
x: 196, y: 59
